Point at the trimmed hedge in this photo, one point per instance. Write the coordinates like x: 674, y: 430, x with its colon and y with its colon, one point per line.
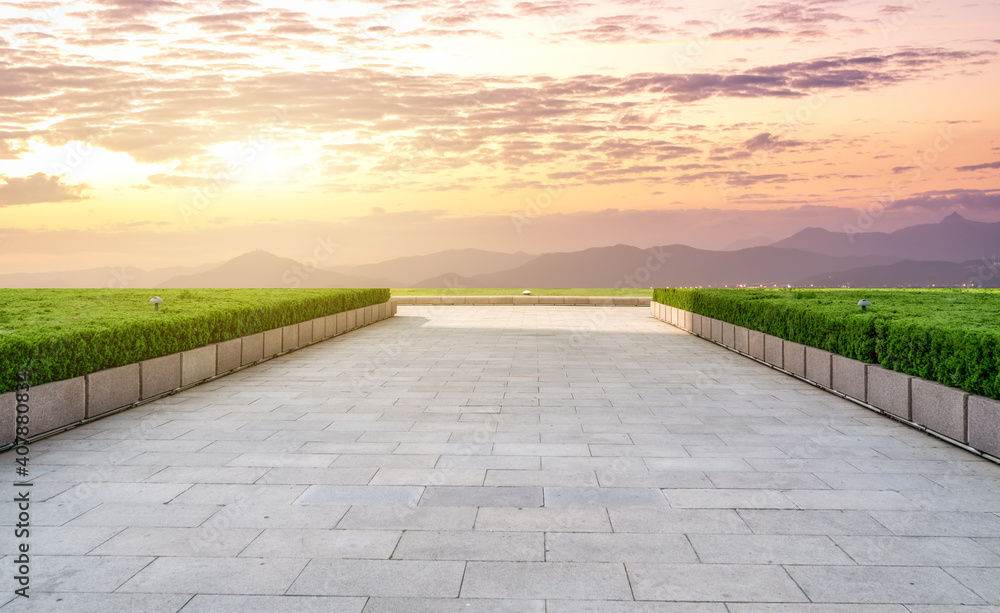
x: 914, y: 332
x: 61, y: 334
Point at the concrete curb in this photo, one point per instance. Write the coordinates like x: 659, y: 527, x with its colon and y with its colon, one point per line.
x: 61, y: 405
x: 633, y: 301
x: 966, y: 420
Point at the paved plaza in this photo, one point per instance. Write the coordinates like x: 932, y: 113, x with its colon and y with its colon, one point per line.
x: 507, y: 459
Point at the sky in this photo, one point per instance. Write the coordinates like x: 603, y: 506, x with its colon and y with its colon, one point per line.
x: 158, y: 133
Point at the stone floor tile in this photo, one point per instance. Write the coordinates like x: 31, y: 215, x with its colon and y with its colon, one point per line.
x: 882, y: 584
x: 189, y: 575
x: 590, y: 497
x: 82, y: 602
x: 429, y: 476
x: 476, y: 545
x: 618, y: 547
x: 812, y: 522
x: 543, y: 519
x: 546, y: 580
x: 925, y: 523
x: 310, y: 543
x: 713, y: 583
x: 728, y: 499
x: 399, y: 578
x: 617, y: 606
x: 206, y: 603
x: 452, y: 605
x: 183, y: 542
x: 678, y: 521
x: 768, y: 549
x: 362, y: 495
x: 916, y: 551
x: 82, y: 573
x: 449, y: 496
x: 409, y: 518
x: 985, y: 582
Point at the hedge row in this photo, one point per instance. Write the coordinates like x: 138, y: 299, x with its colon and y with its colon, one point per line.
x: 61, y: 347
x: 958, y: 356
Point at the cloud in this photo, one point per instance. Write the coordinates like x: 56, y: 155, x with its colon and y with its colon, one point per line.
x: 747, y: 33
x: 181, y: 181
x: 12, y: 148
x: 555, y: 8
x: 968, y: 200
x: 620, y: 29
x: 38, y: 188
x: 766, y: 142
x: 979, y: 166
x: 795, y: 13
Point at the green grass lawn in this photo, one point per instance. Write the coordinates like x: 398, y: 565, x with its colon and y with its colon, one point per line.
x: 945, y: 335
x: 952, y: 309
x: 63, y: 333
x: 479, y: 291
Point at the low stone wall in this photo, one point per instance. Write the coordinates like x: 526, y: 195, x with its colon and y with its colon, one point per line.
x: 973, y: 421
x: 60, y: 404
x: 634, y: 301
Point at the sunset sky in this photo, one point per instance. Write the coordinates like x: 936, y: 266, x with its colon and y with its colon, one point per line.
x: 157, y: 133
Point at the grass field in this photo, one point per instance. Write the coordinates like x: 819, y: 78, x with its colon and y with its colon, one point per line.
x: 479, y: 291
x: 953, y: 309
x: 945, y: 335
x: 63, y: 333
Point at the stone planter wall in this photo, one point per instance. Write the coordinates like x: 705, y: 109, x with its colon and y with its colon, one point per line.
x: 635, y: 301
x: 973, y: 421
x: 59, y: 404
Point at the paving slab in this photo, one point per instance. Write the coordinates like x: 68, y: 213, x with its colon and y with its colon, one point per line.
x: 578, y: 581
x: 879, y: 584
x: 508, y: 459
x: 713, y: 582
x: 401, y: 578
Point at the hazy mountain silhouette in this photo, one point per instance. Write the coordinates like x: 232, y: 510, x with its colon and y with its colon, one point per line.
x: 407, y: 271
x: 671, y: 265
x: 953, y: 239
x: 106, y: 277
x: 263, y: 269
x: 983, y: 273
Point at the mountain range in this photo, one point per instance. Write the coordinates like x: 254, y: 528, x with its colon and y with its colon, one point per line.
x: 953, y: 239
x: 953, y: 252
x: 667, y: 266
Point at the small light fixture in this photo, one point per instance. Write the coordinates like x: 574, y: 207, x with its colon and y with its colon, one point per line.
x: 526, y: 292
x: 156, y: 301
x: 864, y: 304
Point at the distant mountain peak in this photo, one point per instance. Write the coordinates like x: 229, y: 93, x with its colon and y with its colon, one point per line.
x: 954, y: 218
